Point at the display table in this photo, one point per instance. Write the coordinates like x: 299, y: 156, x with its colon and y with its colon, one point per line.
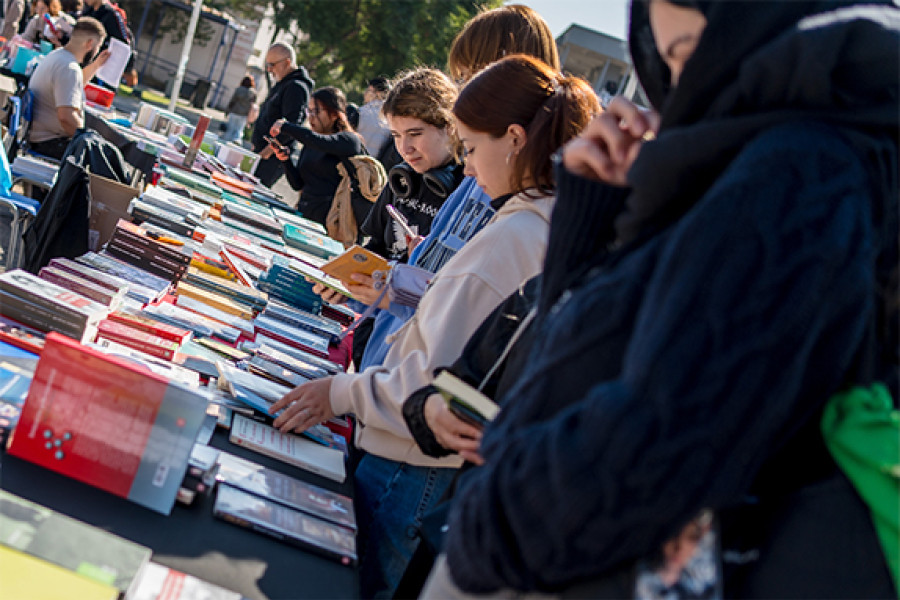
x: 191, y: 539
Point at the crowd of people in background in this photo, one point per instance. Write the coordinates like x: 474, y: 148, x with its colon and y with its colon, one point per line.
x: 662, y: 300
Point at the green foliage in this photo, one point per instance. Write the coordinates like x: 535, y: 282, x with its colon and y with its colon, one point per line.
x: 175, y: 22
x: 345, y: 42
x: 350, y: 41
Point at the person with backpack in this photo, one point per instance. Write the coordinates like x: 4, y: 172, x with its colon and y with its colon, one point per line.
x: 419, y: 117
x: 327, y: 142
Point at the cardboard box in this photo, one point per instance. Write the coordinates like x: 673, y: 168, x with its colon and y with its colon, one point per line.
x: 109, y: 203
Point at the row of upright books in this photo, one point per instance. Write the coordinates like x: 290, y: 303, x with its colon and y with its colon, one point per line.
x: 196, y: 310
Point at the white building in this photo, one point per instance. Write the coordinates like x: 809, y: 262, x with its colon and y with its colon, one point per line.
x: 602, y: 60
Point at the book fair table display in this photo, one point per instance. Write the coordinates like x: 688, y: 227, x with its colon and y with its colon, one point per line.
x: 137, y: 456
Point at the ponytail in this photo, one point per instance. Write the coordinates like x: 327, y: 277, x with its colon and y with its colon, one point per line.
x: 524, y: 91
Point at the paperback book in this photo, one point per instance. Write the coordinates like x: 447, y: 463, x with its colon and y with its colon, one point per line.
x: 109, y: 423
x: 81, y: 548
x: 85, y: 287
x: 138, y: 339
x: 289, y: 448
x: 356, y: 260
x: 25, y: 576
x: 108, y: 264
x: 292, y: 492
x: 71, y: 313
x: 465, y: 401
x: 287, y: 524
x: 157, y: 582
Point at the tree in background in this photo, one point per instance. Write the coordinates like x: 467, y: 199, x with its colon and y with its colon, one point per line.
x: 350, y: 41
x: 344, y: 42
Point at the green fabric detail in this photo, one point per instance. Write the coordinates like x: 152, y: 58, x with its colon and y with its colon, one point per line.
x: 861, y: 428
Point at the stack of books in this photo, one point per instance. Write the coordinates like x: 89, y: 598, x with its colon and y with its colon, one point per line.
x: 294, y: 511
x: 289, y: 285
x: 62, y: 277
x: 47, y: 307
x: 34, y: 168
x: 160, y: 254
x: 40, y: 548
x: 314, y: 243
x: 109, y: 423
x: 137, y: 278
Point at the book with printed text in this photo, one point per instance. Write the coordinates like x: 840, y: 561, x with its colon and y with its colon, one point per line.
x: 289, y: 448
x: 109, y: 423
x: 465, y: 401
x: 287, y: 524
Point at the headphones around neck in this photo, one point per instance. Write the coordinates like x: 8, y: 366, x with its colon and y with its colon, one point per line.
x: 406, y: 183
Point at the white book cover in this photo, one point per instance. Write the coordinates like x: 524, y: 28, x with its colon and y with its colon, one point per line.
x: 288, y: 448
x: 157, y: 581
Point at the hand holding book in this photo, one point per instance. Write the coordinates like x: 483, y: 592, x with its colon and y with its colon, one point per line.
x: 452, y: 432
x: 363, y: 289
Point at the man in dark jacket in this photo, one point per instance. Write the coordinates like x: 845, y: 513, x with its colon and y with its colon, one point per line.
x: 286, y: 100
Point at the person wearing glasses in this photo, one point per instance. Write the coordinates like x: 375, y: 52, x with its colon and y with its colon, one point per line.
x: 287, y: 100
x: 327, y: 141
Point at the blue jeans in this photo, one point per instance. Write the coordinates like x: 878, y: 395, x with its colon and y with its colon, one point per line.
x: 235, y: 128
x: 391, y: 498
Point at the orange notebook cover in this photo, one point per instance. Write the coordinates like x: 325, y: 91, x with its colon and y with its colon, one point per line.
x: 355, y: 259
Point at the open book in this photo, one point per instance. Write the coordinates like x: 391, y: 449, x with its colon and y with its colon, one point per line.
x: 465, y: 401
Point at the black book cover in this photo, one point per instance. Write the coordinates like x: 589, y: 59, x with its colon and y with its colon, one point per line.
x: 286, y: 524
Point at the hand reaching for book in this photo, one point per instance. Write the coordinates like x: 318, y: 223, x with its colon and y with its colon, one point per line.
x: 451, y: 432
x: 304, y: 406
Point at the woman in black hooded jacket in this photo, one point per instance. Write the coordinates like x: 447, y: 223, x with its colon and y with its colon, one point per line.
x: 749, y: 277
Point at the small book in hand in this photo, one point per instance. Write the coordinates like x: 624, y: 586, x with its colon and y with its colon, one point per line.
x: 355, y: 260
x: 465, y: 401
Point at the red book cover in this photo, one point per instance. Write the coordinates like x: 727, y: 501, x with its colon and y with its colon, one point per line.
x: 151, y: 326
x: 137, y: 339
x: 109, y: 423
x: 236, y: 268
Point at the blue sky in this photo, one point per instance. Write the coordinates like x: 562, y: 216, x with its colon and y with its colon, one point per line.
x: 607, y: 16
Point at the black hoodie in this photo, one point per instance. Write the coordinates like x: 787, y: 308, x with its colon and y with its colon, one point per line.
x: 689, y: 368
x: 287, y: 100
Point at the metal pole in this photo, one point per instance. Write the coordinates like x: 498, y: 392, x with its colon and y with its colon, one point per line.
x: 162, y: 9
x: 185, y: 54
x: 235, y: 33
x: 140, y: 29
x: 212, y: 67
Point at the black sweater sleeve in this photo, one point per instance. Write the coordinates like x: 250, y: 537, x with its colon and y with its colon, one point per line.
x: 581, y: 232
x: 343, y: 145
x: 292, y: 174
